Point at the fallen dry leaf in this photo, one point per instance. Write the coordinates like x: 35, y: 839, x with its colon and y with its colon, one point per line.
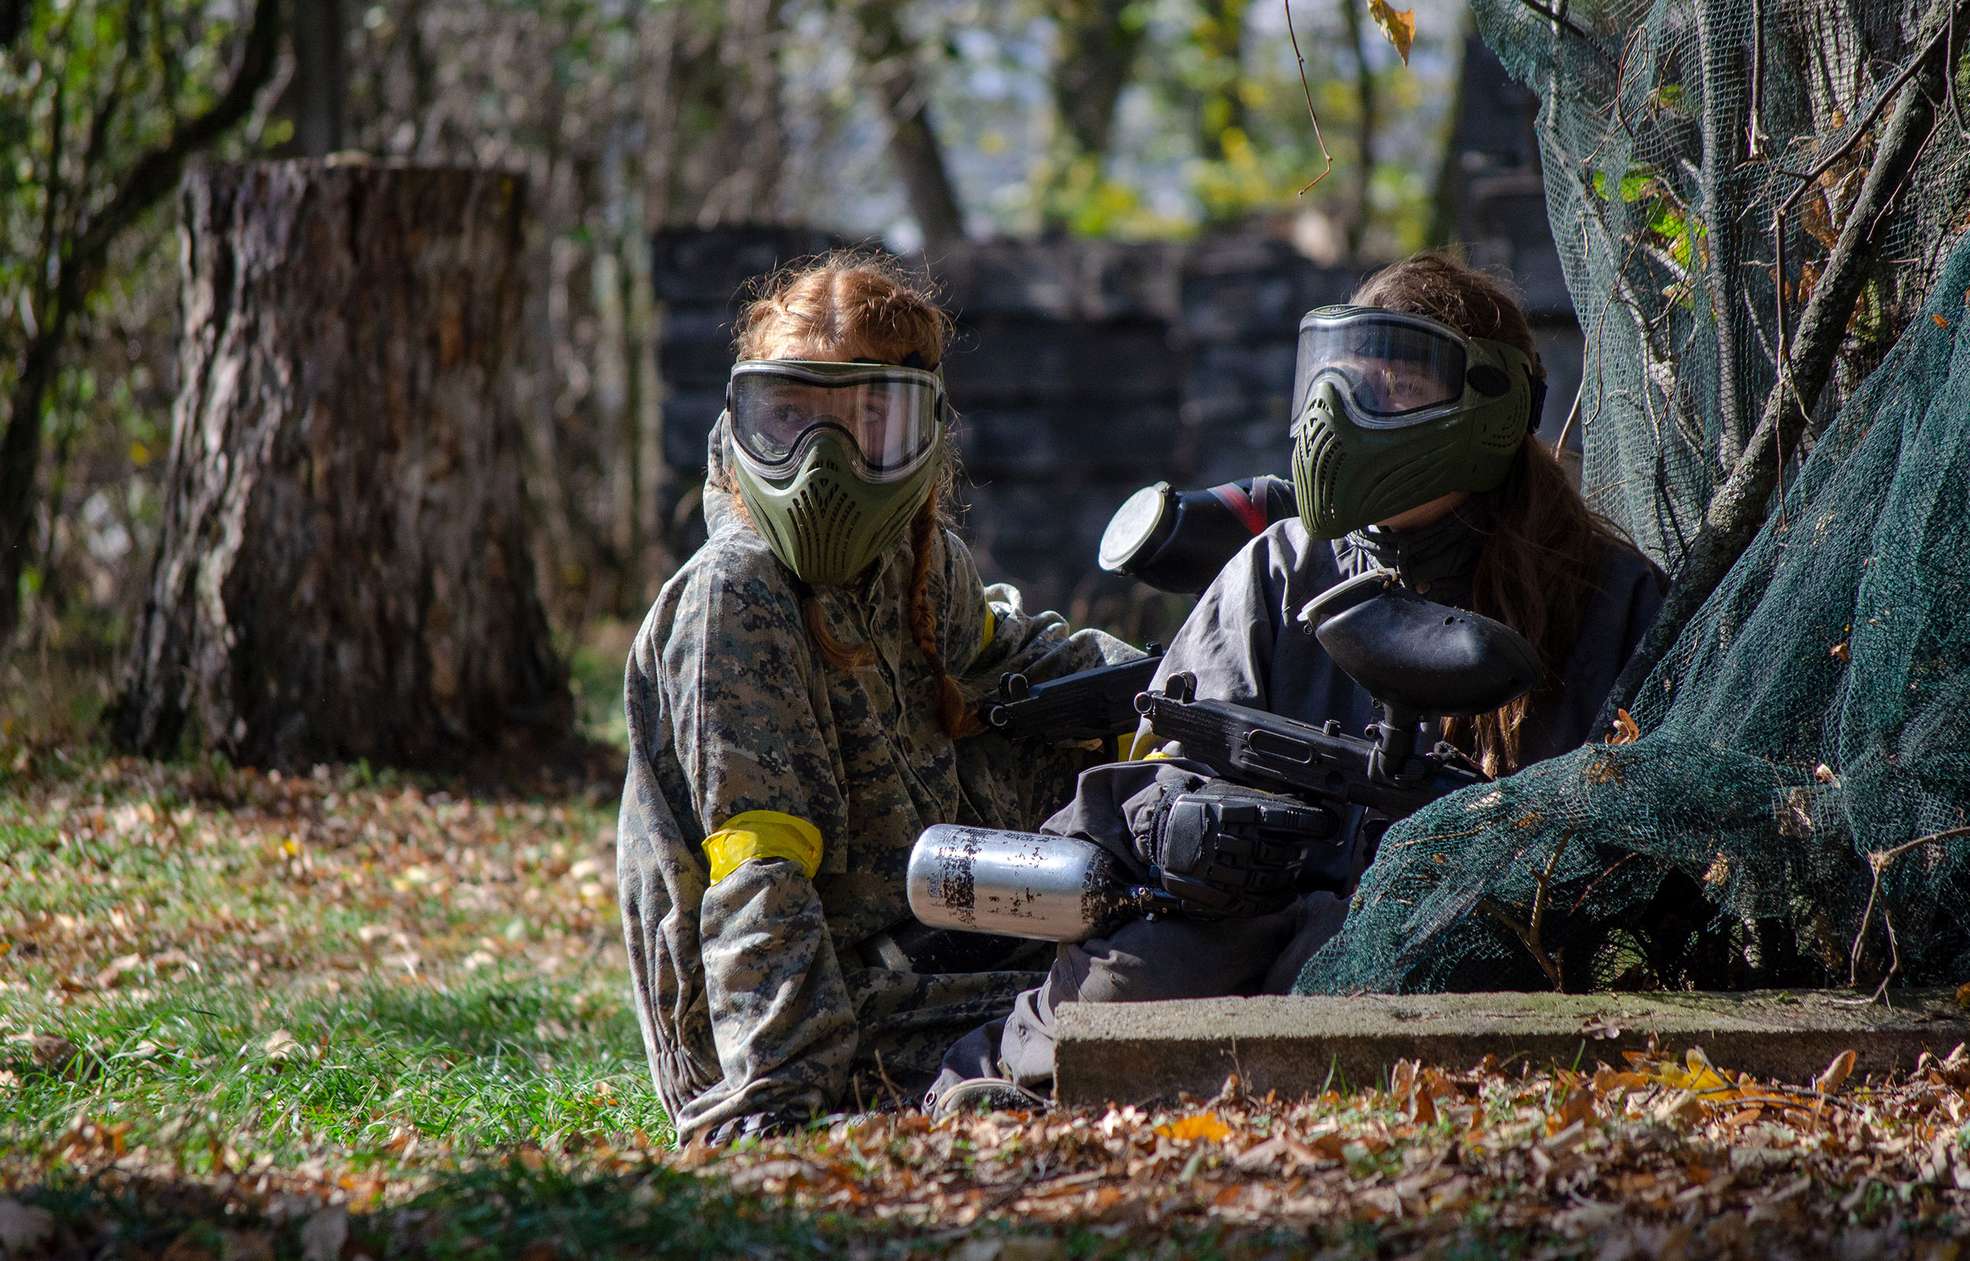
x: 1836, y: 1072
x: 1578, y: 1108
x: 110, y: 975
x: 1602, y: 1027
x: 1696, y: 1074
x: 1668, y: 1153
x: 1626, y: 730
x: 1422, y: 1108
x: 1399, y: 25
x: 1678, y: 1107
x: 1204, y: 1125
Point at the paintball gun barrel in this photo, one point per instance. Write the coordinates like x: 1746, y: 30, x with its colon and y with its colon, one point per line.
x: 1097, y: 704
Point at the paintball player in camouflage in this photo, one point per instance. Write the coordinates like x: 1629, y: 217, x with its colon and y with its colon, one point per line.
x: 801, y: 705
x: 1414, y: 413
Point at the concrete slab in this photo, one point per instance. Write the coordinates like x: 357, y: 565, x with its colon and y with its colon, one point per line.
x: 1135, y: 1052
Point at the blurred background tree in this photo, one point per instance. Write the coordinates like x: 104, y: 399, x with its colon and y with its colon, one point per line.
x: 101, y: 105
x: 913, y: 123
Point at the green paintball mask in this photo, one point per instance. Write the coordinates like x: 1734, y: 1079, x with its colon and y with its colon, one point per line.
x: 1391, y: 410
x: 833, y: 459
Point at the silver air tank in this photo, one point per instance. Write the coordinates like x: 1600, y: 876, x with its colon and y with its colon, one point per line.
x: 1019, y: 884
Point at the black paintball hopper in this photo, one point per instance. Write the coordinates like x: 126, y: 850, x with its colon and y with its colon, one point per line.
x: 1416, y: 656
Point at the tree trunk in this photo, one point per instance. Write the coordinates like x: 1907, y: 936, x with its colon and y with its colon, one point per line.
x: 344, y: 569
x: 321, y: 77
x: 889, y: 60
x: 20, y: 456
x: 1095, y: 63
x: 1364, y: 149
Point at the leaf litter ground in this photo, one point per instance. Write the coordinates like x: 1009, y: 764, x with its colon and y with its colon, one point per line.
x: 348, y: 1014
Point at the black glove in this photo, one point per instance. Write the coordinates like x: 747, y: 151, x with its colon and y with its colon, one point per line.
x: 1224, y: 849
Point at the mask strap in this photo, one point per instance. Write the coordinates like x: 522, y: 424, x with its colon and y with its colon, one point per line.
x: 915, y: 360
x: 1538, y: 409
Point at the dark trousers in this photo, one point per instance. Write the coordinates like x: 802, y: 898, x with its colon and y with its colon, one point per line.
x: 1144, y: 961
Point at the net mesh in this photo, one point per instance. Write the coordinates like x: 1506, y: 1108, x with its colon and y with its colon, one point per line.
x: 1793, y: 811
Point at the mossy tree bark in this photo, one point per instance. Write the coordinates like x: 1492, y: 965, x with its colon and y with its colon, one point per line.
x: 344, y: 570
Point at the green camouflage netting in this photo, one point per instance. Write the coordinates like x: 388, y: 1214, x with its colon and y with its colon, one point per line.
x: 1811, y: 725
x: 1662, y: 211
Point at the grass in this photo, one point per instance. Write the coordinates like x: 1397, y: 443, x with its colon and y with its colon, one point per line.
x: 236, y: 1004
x: 375, y: 978
x: 206, y: 1077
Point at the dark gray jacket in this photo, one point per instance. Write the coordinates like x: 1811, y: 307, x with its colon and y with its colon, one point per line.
x: 1245, y: 645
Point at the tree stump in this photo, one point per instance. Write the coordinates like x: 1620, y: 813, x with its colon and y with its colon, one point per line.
x: 344, y: 570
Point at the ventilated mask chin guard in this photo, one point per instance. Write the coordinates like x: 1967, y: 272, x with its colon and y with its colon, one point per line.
x: 833, y: 459
x: 1392, y: 410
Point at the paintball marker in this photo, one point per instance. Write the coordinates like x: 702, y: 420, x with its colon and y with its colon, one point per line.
x: 1420, y: 660
x: 1097, y: 704
x: 1260, y: 750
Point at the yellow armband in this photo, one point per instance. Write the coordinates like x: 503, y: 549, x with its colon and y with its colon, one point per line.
x: 991, y: 629
x: 763, y: 834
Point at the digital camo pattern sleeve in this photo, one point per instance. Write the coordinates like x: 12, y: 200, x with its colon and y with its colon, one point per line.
x: 660, y: 879
x: 737, y: 685
x: 991, y: 634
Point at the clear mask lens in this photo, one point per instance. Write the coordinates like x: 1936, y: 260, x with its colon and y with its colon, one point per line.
x: 889, y: 415
x: 1387, y: 367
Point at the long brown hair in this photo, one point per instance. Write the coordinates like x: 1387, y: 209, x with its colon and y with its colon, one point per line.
x: 862, y: 305
x: 1545, y: 548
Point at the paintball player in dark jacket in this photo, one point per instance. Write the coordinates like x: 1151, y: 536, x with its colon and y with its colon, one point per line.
x: 1414, y: 451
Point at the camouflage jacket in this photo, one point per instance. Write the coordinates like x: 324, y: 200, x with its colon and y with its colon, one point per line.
x: 751, y: 990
